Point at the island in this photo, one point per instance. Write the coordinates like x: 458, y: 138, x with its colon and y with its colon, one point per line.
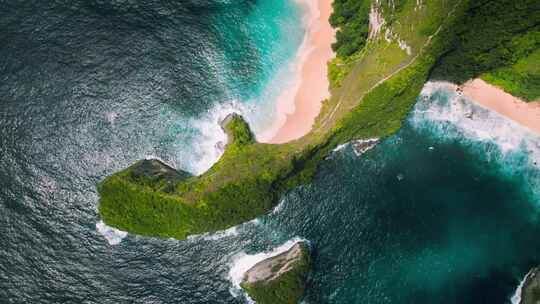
x: 385, y: 52
x: 530, y: 290
x: 279, y: 279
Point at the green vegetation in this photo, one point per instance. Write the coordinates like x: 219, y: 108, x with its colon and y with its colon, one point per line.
x: 237, y: 130
x: 403, y: 20
x: 373, y: 89
x: 521, y: 79
x: 351, y: 18
x: 500, y: 42
x: 287, y: 288
x: 236, y: 189
x: 493, y: 36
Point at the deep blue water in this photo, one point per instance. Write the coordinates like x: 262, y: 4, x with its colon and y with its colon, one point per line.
x: 445, y: 211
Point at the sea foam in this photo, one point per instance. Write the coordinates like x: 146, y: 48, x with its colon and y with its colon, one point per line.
x: 206, y: 145
x: 472, y: 120
x: 112, y: 235
x: 278, y: 207
x: 450, y: 116
x: 516, y: 298
x: 231, y: 232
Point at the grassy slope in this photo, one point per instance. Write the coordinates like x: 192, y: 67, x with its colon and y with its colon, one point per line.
x: 236, y: 189
x: 378, y: 86
x: 521, y: 79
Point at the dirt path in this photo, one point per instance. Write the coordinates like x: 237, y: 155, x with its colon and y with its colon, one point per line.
x: 428, y: 41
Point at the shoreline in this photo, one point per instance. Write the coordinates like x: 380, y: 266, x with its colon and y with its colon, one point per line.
x: 526, y: 114
x: 298, y: 105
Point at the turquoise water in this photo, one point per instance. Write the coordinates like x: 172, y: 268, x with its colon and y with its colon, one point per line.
x: 445, y: 211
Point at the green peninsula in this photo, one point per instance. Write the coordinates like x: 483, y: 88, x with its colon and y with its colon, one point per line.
x: 374, y: 83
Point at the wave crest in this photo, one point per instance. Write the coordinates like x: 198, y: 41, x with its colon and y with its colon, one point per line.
x: 112, y: 235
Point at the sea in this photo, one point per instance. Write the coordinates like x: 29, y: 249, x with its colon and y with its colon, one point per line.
x: 445, y: 211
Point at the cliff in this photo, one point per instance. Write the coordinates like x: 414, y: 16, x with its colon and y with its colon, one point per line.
x: 374, y: 88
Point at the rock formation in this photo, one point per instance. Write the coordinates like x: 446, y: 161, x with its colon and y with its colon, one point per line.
x: 280, y: 279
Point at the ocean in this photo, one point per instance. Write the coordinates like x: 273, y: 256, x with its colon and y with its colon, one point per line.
x: 445, y: 211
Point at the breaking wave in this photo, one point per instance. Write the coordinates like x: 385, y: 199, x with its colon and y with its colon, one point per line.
x: 516, y: 298
x: 452, y: 117
x: 112, y: 235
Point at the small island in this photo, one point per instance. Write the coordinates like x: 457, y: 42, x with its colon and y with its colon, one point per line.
x: 280, y: 279
x: 530, y: 291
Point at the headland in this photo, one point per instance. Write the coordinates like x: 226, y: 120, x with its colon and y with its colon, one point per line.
x: 374, y: 83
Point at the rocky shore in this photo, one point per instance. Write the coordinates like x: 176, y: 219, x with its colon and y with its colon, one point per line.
x: 361, y: 146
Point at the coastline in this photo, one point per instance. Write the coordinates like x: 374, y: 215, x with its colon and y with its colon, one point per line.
x: 489, y: 96
x: 250, y: 176
x: 298, y: 106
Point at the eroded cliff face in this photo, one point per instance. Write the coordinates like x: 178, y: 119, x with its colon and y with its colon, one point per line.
x: 530, y: 292
x: 157, y: 173
x: 280, y: 279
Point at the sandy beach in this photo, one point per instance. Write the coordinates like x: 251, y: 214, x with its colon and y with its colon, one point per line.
x: 494, y: 98
x: 298, y: 106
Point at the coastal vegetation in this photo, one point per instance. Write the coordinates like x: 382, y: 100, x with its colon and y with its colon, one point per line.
x: 520, y: 79
x: 374, y: 85
x: 499, y: 41
x: 236, y: 189
x: 351, y: 18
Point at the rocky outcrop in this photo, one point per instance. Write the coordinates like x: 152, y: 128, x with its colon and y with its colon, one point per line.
x: 361, y: 146
x: 530, y: 292
x: 280, y: 279
x: 228, y: 119
x: 155, y: 173
x: 237, y: 130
